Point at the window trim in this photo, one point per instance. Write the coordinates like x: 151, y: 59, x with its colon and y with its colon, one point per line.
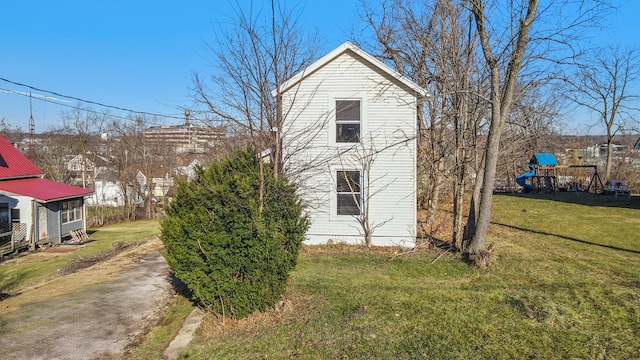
x: 71, y: 210
x: 331, y: 105
x: 342, y: 122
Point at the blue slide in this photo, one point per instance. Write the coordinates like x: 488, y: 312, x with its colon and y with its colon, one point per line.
x: 522, y: 179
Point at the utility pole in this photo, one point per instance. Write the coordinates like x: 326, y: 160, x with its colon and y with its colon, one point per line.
x: 32, y: 125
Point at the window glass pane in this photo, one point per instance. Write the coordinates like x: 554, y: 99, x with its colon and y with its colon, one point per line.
x: 348, y: 110
x: 348, y: 192
x: 348, y: 204
x: 15, y: 215
x: 348, y: 181
x: 347, y: 133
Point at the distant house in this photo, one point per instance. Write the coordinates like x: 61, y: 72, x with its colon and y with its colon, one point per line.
x: 110, y: 191
x: 188, y: 170
x: 44, y: 211
x: 349, y: 140
x: 107, y: 189
x: 81, y: 170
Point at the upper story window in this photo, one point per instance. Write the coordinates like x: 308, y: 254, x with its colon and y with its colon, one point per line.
x: 347, y: 121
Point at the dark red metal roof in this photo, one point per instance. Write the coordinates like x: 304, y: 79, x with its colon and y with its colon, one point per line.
x: 42, y: 189
x: 13, y: 164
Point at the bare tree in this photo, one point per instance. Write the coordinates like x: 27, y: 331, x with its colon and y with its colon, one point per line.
x: 84, y: 125
x: 503, y: 86
x: 53, y: 155
x: 264, y: 49
x: 12, y: 134
x: 603, y: 85
x: 507, y: 33
x: 130, y: 160
x: 360, y: 188
x: 432, y: 44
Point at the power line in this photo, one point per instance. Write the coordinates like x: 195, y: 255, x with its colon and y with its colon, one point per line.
x: 84, y: 100
x: 56, y: 101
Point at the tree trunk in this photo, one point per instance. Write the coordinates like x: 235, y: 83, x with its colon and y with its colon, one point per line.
x: 607, y: 165
x: 485, y: 202
x: 501, y: 98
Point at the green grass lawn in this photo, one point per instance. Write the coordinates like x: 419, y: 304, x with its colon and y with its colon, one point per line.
x: 15, y: 276
x: 565, y: 284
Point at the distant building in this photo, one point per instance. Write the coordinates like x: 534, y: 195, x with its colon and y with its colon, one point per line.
x: 81, y: 170
x: 186, y: 138
x: 615, y: 147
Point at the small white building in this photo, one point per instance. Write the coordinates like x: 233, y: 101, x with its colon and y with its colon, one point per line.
x: 349, y: 140
x: 110, y: 191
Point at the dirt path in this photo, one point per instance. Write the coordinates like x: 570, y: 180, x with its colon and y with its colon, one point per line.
x: 94, y: 321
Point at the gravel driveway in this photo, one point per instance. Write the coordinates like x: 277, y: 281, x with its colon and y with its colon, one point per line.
x: 95, y: 322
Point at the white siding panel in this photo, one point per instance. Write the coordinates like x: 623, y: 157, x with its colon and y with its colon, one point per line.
x: 25, y: 204
x: 22, y: 203
x: 388, y: 131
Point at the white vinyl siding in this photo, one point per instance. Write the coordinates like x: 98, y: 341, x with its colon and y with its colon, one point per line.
x: 387, y: 135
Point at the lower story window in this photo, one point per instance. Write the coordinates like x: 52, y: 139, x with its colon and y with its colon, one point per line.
x: 348, y: 192
x: 71, y: 210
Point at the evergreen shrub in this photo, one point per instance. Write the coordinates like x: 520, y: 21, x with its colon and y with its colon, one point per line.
x: 234, y: 257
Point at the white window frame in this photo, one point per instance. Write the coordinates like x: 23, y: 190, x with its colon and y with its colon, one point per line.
x: 333, y: 122
x: 335, y: 173
x: 346, y: 122
x: 71, y: 210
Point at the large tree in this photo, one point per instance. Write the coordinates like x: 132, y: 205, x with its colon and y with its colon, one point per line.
x: 264, y: 47
x: 503, y: 84
x: 432, y: 44
x: 522, y: 42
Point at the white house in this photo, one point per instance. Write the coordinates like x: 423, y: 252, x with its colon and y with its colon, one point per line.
x: 81, y: 169
x: 109, y: 190
x: 349, y: 140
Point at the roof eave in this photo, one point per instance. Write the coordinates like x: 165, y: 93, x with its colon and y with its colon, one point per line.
x: 65, y: 198
x: 28, y: 176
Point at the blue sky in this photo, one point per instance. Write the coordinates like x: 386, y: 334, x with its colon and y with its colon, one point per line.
x: 140, y: 54
x: 128, y: 53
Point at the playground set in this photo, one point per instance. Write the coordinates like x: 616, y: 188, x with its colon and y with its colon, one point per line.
x: 545, y: 172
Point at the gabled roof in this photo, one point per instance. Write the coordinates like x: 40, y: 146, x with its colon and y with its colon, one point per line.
x: 13, y: 164
x: 43, y: 190
x: 345, y: 47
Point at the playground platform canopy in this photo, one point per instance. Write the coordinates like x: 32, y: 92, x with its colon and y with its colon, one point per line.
x: 544, y: 159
